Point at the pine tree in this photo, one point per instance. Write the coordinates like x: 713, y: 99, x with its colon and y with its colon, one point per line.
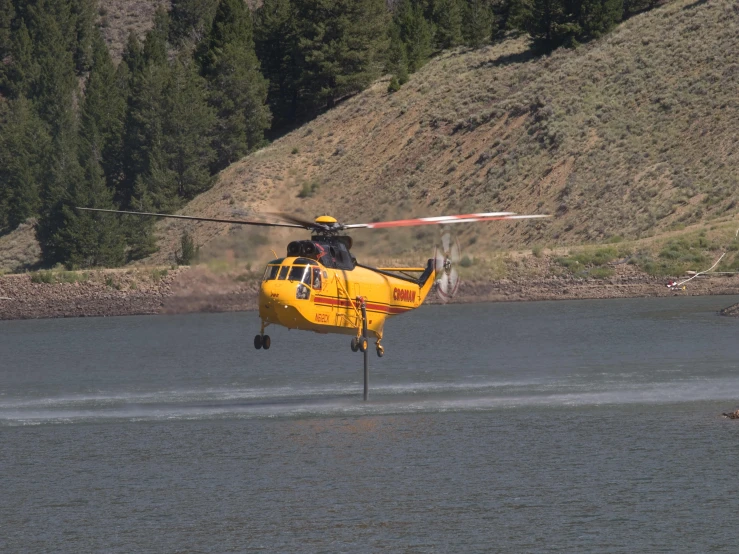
x: 188, y: 126
x: 7, y: 15
x: 276, y: 40
x: 478, y: 23
x: 148, y: 73
x: 509, y: 15
x: 102, y: 115
x: 133, y: 58
x: 63, y: 173
x: 232, y: 25
x: 143, y: 130
x: 546, y: 21
x: 191, y: 20
x: 566, y: 22
x: 415, y: 32
x: 83, y: 29
x: 88, y: 239
x: 239, y: 94
x: 597, y: 17
x: 632, y: 7
x: 155, y: 43
x: 19, y: 68
x: 238, y: 91
x: 447, y: 18
x: 343, y: 43
x: 53, y: 90
x: 397, y: 58
x: 23, y: 148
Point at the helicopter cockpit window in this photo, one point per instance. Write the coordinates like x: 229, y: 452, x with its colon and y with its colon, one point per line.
x: 300, y: 273
x: 271, y: 272
x: 317, y: 280
x: 283, y: 272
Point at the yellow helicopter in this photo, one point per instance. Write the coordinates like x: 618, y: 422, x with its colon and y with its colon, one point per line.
x: 319, y: 286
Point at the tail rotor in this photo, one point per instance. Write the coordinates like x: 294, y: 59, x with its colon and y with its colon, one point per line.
x: 446, y: 257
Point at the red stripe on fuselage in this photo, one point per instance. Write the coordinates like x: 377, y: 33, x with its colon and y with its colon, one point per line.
x: 371, y: 306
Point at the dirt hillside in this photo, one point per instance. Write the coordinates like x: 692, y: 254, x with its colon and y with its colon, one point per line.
x: 631, y: 137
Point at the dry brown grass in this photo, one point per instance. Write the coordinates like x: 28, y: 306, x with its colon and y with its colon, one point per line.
x: 19, y: 250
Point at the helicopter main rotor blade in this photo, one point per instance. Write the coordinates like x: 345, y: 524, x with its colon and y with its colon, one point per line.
x: 442, y: 220
x: 193, y: 218
x: 295, y: 220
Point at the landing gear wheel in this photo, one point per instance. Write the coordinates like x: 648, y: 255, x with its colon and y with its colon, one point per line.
x: 355, y: 344
x: 363, y: 344
x: 266, y: 342
x: 258, y: 342
x: 380, y: 351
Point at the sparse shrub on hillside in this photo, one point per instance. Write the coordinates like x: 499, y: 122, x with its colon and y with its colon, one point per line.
x: 188, y: 250
x: 42, y: 277
x: 50, y: 277
x: 308, y: 190
x: 601, y: 272
x: 585, y: 258
x: 159, y: 274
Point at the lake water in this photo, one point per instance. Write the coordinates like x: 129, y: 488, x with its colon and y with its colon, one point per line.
x: 584, y: 426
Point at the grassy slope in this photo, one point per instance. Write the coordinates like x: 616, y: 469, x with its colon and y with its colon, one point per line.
x: 629, y: 137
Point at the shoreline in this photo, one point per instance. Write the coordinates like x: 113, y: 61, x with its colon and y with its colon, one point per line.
x: 107, y: 293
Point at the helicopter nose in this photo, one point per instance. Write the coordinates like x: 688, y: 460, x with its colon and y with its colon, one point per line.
x: 269, y: 293
x: 275, y: 294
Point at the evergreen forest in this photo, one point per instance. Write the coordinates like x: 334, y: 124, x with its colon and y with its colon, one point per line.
x: 211, y: 82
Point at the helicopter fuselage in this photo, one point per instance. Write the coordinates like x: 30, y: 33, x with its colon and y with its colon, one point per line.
x: 302, y: 293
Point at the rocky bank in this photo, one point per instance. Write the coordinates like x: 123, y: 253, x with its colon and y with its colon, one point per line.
x: 198, y: 289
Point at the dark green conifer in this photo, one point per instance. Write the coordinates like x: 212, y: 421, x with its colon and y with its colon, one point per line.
x: 415, y: 32
x: 53, y: 90
x: 155, y: 43
x: 239, y: 94
x: 509, y: 15
x: 232, y: 25
x: 276, y: 40
x: 478, y: 23
x: 567, y: 22
x: 397, y: 58
x: 63, y: 173
x: 102, y: 115
x: 88, y: 239
x: 447, y: 20
x: 343, y: 43
x: 133, y: 56
x: 190, y: 20
x: 7, y: 15
x: 238, y: 91
x: 20, y: 68
x: 23, y: 149
x: 143, y: 128
x: 187, y: 129
x: 597, y: 17
x: 83, y: 29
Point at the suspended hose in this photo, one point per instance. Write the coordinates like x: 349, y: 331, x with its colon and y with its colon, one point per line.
x: 676, y: 285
